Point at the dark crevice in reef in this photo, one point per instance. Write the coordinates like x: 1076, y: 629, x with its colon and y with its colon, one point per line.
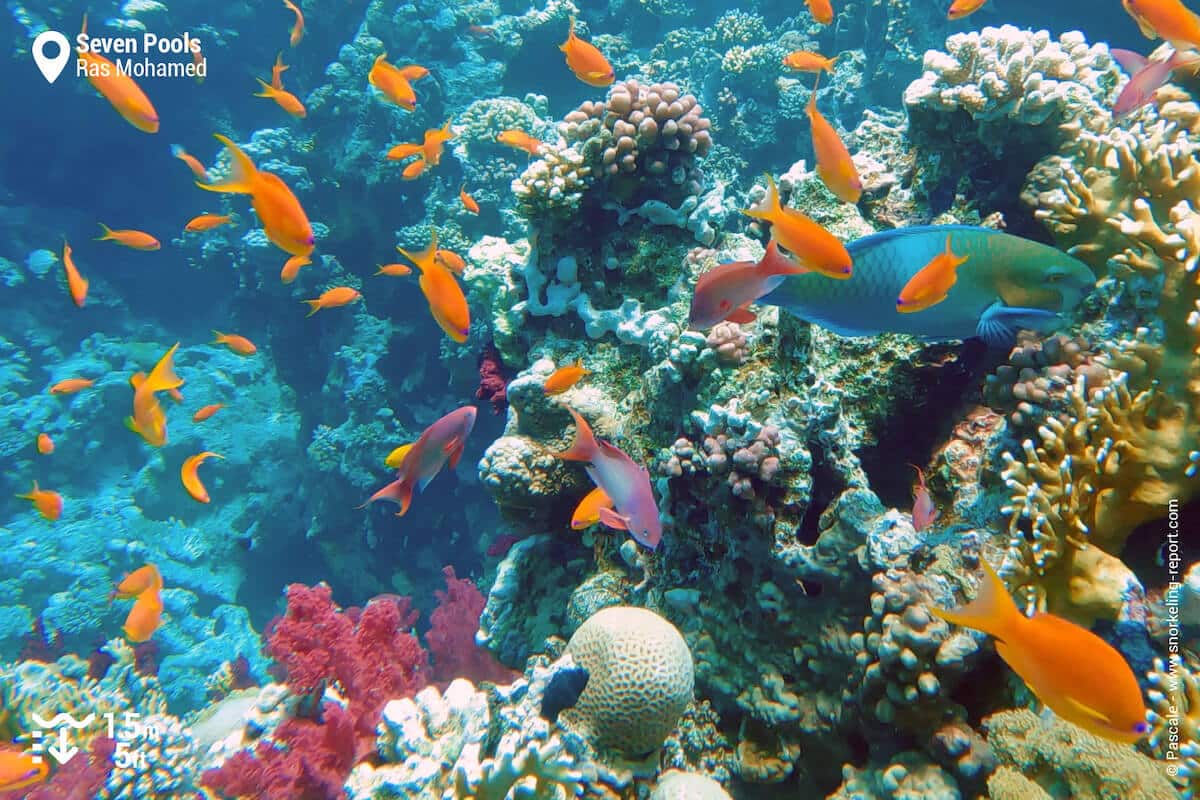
x: 826, y: 485
x: 1146, y: 551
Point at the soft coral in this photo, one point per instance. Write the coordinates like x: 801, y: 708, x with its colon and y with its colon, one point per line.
x: 451, y: 635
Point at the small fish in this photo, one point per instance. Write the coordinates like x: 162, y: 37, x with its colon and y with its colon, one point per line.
x: 807, y: 61
x: 585, y: 60
x: 822, y: 11
x: 429, y: 151
x: 135, y: 240
x: 481, y: 31
x: 48, y: 503
x: 149, y: 420
x: 627, y: 483
x: 924, y: 511
x: 1146, y: 78
x: 291, y: 268
x: 414, y: 170
x: 1078, y: 675
x: 72, y: 385
x: 1169, y: 20
x: 333, y: 298
x: 521, y: 141
x: 396, y: 457
x: 175, y: 394
x: 447, y: 303
x: 587, y: 513
x: 192, y: 162
x: 20, y: 770
x: 835, y: 167
x: 145, y: 617
x: 440, y: 444
x: 199, y: 60
x: 45, y: 445
x: 564, y: 378
x: 396, y: 82
x: 297, y: 32
x: 562, y: 691
x: 77, y: 285
x: 283, y: 218
x: 726, y: 291
x: 394, y: 270
x: 189, y: 475
x: 809, y: 243
x: 206, y: 222
x: 142, y: 579
x: 207, y: 411
x: 964, y: 8
x: 467, y: 201
x: 238, y: 344
x: 275, y: 91
x: 932, y: 283
x: 451, y: 261
x: 120, y: 90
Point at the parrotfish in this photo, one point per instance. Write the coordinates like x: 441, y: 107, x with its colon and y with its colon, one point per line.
x: 621, y: 479
x: 1012, y: 283
x: 1081, y: 677
x: 441, y: 443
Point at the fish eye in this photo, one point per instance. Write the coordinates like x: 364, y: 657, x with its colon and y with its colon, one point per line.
x: 1141, y: 727
x: 1055, y: 277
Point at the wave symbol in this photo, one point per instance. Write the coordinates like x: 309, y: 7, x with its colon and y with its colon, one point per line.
x: 63, y: 719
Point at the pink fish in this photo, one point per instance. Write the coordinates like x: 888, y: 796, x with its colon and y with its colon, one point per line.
x: 441, y: 442
x: 633, y: 507
x: 725, y: 291
x: 924, y: 512
x: 1146, y: 77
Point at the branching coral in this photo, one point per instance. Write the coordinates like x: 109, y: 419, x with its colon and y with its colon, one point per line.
x: 1175, y: 718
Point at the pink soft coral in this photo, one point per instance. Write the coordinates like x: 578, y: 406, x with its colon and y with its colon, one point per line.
x: 451, y: 635
x: 81, y: 778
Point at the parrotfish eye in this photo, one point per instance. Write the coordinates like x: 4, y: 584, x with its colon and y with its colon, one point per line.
x: 1055, y: 277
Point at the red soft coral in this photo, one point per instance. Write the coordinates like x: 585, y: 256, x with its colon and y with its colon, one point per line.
x: 451, y: 635
x: 81, y: 778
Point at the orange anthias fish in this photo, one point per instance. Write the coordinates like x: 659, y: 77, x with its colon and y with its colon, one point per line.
x: 77, y: 285
x: 198, y: 59
x: 20, y: 770
x: 1169, y: 20
x: 291, y: 268
x: 142, y: 579
x: 931, y: 285
x: 207, y: 411
x: 238, y: 344
x: 48, y: 503
x: 275, y: 91
x: 564, y: 378
x: 396, y: 82
x: 809, y: 243
x: 135, y: 240
x: 1081, y: 677
x: 807, y: 61
x: 446, y: 300
x: 726, y: 291
x: 283, y: 218
x: 192, y: 162
x: 206, y: 222
x: 587, y: 513
x: 924, y: 511
x: 822, y: 11
x: 521, y: 141
x: 440, y: 444
x: 451, y: 261
x: 964, y: 8
x: 298, y: 27
x: 72, y: 385
x: 118, y: 89
x: 45, y: 445
x: 468, y: 202
x: 394, y: 270
x: 586, y: 61
x: 189, y: 474
x: 333, y: 298
x: 145, y: 617
x: 834, y: 164
x: 428, y: 152
x: 149, y: 420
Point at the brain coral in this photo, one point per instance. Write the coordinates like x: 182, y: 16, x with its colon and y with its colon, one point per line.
x: 676, y: 785
x: 640, y: 679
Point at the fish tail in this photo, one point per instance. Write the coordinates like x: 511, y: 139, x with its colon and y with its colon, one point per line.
x: 584, y: 447
x: 243, y: 171
x: 398, y: 491
x: 267, y: 89
x: 163, y: 376
x: 425, y: 259
x: 812, y: 101
x: 108, y: 234
x: 32, y: 492
x: 769, y: 208
x: 313, y: 305
x: 220, y: 337
x: 776, y: 263
x: 992, y: 611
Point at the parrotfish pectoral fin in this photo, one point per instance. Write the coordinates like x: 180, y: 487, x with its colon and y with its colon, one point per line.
x: 998, y: 325
x: 614, y: 520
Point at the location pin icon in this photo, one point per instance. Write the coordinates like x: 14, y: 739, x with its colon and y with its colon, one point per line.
x: 51, y: 67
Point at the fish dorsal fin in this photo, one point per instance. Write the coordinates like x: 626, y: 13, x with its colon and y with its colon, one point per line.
x: 1087, y: 710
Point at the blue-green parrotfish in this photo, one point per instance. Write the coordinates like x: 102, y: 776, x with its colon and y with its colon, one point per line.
x: 1007, y: 283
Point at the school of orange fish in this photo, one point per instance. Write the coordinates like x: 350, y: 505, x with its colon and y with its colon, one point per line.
x: 1108, y: 703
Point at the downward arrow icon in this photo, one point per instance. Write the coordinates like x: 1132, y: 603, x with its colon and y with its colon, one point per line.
x: 62, y: 751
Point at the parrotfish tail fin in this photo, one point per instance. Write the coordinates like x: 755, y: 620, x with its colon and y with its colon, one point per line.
x: 313, y: 307
x: 107, y: 232
x: 163, y: 376
x: 241, y: 177
x: 992, y: 611
x: 776, y: 263
x: 267, y: 89
x: 584, y: 447
x: 998, y: 325
x: 769, y: 208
